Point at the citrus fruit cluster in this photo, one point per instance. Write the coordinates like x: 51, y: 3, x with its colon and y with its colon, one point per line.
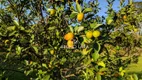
x: 69, y: 37
x: 90, y: 34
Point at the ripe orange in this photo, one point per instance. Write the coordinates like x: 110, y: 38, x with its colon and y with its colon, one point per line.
x: 89, y: 34
x: 70, y: 44
x: 69, y: 36
x: 96, y: 33
x: 80, y: 16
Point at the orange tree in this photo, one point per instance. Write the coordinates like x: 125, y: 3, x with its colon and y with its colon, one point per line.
x: 53, y: 40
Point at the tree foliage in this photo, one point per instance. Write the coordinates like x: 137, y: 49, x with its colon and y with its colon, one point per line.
x: 32, y: 37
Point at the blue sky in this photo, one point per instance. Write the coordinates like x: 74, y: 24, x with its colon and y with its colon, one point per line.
x: 103, y: 5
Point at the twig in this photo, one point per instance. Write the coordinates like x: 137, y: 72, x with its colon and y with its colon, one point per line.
x: 41, y: 13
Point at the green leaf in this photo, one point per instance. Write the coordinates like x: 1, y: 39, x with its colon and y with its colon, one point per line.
x: 26, y: 62
x: 109, y: 20
x: 11, y: 28
x: 87, y: 10
x: 71, y: 29
x: 92, y: 25
x: 35, y: 48
x: 98, y: 77
x: 40, y: 72
x: 12, y: 33
x: 28, y: 72
x: 95, y: 56
x: 73, y: 14
x: 16, y: 22
x: 45, y: 51
x: 78, y: 7
x: 52, y: 28
x: 46, y: 77
x: 76, y: 28
x: 80, y: 28
x: 22, y: 28
x: 63, y: 60
x: 7, y: 55
x: 130, y: 2
x: 97, y: 47
x: 57, y: 33
x: 135, y: 77
x: 103, y: 69
x: 23, y: 41
x: 44, y: 65
x: 97, y: 26
x: 18, y: 50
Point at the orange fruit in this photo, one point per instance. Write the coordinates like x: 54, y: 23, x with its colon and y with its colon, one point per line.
x: 70, y: 44
x: 68, y: 36
x: 80, y: 16
x: 89, y: 34
x: 124, y: 17
x: 96, y: 33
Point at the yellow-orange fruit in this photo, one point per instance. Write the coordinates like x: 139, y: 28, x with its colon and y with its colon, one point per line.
x: 80, y: 16
x: 52, y: 12
x: 89, y: 34
x: 52, y: 52
x: 68, y: 36
x: 124, y: 17
x: 96, y: 33
x: 70, y: 44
